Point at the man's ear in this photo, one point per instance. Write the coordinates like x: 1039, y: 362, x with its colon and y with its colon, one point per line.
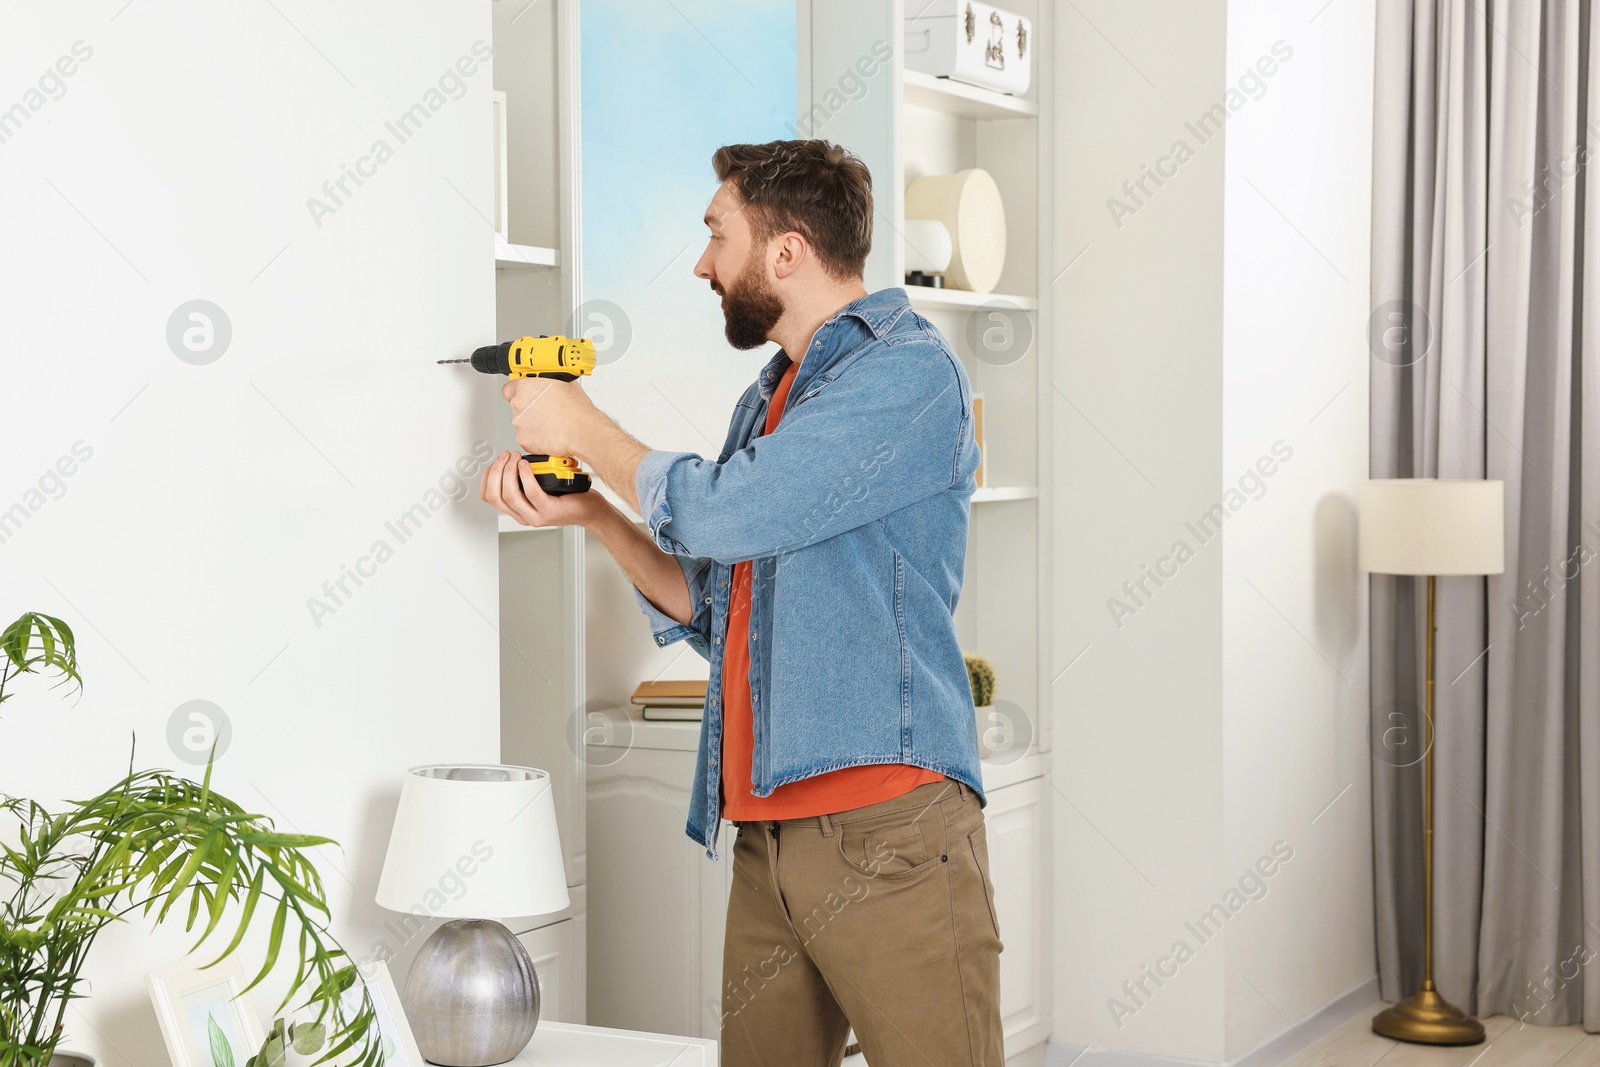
x: 792, y: 252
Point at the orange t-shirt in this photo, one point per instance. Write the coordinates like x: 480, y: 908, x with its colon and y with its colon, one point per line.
x: 834, y: 791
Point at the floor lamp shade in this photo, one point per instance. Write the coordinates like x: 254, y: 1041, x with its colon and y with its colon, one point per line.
x: 489, y: 829
x: 1431, y: 526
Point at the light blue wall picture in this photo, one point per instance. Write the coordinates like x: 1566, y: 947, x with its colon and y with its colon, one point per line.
x: 664, y: 84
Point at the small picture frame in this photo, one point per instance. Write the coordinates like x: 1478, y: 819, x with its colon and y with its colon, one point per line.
x: 398, y: 1043
x: 982, y: 474
x: 204, y: 1019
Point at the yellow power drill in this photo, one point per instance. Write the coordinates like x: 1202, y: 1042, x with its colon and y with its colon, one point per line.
x: 561, y: 358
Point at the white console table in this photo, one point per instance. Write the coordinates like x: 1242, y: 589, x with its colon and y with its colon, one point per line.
x: 572, y: 1045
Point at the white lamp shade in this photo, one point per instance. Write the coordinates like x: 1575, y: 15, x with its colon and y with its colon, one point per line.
x: 1433, y: 526
x: 474, y: 842
x: 928, y: 246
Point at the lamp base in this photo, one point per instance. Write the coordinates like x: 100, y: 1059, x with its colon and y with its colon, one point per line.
x: 1426, y: 1018
x: 472, y: 996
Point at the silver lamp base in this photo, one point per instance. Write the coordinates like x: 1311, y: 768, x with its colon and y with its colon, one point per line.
x: 472, y: 996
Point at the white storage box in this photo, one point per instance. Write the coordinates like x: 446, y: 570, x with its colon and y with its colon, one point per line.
x: 967, y: 41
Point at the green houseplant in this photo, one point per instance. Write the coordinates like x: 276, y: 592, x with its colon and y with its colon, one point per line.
x: 980, y: 673
x: 164, y: 847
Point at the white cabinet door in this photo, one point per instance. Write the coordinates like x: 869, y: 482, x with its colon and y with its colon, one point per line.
x: 1015, y: 832
x: 557, y: 955
x: 1015, y: 829
x: 659, y: 906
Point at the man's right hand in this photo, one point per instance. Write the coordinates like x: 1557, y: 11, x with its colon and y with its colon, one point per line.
x: 510, y: 487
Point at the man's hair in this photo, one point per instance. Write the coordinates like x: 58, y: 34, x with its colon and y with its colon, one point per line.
x: 813, y: 187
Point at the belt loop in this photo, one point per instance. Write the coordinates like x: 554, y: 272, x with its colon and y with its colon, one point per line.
x: 826, y: 824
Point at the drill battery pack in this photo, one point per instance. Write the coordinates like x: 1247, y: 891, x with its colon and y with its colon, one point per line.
x: 558, y: 475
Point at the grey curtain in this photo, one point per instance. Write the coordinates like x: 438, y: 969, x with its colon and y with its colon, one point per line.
x: 1486, y: 323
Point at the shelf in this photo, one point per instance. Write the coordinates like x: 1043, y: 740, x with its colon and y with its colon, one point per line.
x: 523, y: 257
x: 510, y: 525
x: 982, y: 495
x: 922, y: 296
x: 999, y: 773
x: 964, y: 101
x: 988, y: 493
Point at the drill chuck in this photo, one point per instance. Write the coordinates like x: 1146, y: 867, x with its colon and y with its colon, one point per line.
x: 492, y: 359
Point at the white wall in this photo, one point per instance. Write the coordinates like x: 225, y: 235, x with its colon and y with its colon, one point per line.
x: 1296, y: 757
x: 1138, y: 440
x: 1202, y: 325
x: 176, y: 165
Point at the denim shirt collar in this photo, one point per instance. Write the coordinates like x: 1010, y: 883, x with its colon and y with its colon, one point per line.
x: 878, y: 312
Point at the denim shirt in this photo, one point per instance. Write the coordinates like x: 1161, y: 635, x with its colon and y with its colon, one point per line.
x: 854, y: 513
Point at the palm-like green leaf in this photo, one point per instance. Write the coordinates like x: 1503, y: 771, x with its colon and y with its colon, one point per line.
x: 151, y: 844
x: 36, y: 642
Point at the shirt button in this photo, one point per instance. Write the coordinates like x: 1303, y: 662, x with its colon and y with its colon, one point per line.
x: 708, y: 600
x: 716, y: 640
x: 661, y: 640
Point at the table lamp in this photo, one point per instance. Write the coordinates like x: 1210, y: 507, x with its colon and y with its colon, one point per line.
x: 472, y: 996
x: 1431, y: 527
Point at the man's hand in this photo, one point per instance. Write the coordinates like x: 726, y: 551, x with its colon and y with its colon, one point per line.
x: 553, y: 418
x: 509, y: 486
x: 550, y: 417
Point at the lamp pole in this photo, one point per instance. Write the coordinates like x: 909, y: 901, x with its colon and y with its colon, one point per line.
x: 1426, y: 1018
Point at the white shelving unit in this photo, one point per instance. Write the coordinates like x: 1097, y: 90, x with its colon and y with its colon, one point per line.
x: 541, y: 624
x: 906, y: 126
x: 938, y: 126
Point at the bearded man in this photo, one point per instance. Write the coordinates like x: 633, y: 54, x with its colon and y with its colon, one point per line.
x: 816, y: 564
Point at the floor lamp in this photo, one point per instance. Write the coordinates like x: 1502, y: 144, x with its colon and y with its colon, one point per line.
x: 1429, y: 527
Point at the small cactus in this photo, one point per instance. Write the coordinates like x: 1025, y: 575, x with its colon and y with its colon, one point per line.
x: 980, y: 672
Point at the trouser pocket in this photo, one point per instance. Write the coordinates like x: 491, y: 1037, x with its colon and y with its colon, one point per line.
x: 978, y: 842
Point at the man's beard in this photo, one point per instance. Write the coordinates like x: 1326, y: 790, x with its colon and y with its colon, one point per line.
x: 753, y: 308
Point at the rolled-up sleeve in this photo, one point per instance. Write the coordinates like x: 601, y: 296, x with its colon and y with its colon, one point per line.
x: 664, y: 629
x: 650, y: 483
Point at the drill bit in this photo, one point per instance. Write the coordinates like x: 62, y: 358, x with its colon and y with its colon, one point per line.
x: 467, y: 360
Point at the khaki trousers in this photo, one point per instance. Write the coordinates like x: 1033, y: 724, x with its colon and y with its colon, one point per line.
x: 879, y: 919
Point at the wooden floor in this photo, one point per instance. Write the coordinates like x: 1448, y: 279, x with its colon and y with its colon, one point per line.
x: 1507, y: 1043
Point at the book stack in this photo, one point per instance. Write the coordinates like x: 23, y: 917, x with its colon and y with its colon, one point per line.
x: 682, y: 701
